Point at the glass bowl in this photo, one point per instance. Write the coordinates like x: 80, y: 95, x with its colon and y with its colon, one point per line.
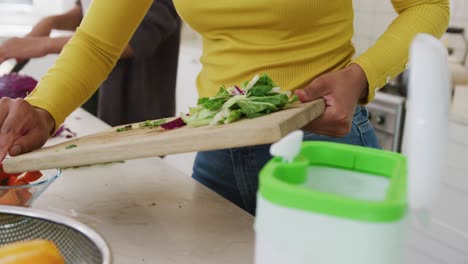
x: 24, y: 195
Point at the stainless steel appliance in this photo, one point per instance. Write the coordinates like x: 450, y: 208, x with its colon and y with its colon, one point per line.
x: 77, y: 242
x: 387, y: 113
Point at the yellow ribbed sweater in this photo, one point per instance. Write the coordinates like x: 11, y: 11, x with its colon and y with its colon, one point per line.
x: 292, y: 41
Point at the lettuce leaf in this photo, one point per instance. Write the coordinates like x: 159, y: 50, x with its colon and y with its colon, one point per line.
x: 251, y: 108
x: 233, y: 116
x: 258, y: 97
x: 262, y: 87
x: 216, y: 102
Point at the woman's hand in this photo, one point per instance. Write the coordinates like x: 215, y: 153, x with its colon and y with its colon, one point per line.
x: 341, y: 91
x: 24, y: 48
x: 23, y: 127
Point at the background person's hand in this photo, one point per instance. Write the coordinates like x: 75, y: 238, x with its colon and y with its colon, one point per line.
x: 24, y: 48
x: 43, y: 28
x: 23, y: 127
x: 341, y: 91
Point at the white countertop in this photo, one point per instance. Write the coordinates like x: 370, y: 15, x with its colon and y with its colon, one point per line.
x: 148, y: 211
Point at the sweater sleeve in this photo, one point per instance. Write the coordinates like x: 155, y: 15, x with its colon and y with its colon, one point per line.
x: 89, y: 56
x: 388, y: 56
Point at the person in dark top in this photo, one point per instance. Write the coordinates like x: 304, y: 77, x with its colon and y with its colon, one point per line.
x: 142, y: 84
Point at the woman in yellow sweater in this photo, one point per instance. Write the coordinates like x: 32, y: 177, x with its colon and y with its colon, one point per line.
x: 304, y: 45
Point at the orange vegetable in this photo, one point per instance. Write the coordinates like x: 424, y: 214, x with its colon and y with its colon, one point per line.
x: 10, y: 198
x: 28, y: 252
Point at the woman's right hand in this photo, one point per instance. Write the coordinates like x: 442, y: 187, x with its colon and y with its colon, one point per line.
x: 23, y: 127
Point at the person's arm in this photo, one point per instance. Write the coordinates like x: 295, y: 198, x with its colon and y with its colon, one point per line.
x: 31, y: 47
x: 88, y: 57
x: 342, y: 89
x: 67, y: 21
x: 37, y: 43
x: 55, y: 46
x: 159, y: 23
x: 388, y: 56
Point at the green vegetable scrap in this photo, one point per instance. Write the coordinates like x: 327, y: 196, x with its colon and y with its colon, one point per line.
x: 258, y: 97
x: 71, y: 146
x: 97, y: 164
x: 153, y: 124
x: 159, y: 122
x: 125, y: 128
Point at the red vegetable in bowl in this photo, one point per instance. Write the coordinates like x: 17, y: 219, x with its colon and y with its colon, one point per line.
x: 31, y: 176
x: 7, y: 179
x: 10, y: 198
x: 16, y: 196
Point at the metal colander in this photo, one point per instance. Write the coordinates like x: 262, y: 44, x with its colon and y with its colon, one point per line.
x: 78, y: 243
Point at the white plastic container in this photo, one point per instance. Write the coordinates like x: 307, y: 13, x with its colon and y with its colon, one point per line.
x: 334, y: 204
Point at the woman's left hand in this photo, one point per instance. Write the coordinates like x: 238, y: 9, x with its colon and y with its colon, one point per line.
x: 24, y: 48
x: 341, y: 91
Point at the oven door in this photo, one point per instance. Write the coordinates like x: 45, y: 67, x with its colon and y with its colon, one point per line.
x: 386, y: 113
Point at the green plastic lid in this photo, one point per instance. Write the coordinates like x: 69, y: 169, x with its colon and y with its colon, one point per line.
x: 283, y: 183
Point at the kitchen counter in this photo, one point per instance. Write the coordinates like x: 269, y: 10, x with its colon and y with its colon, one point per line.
x: 148, y: 211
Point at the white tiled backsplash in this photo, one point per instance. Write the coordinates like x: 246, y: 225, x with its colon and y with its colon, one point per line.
x: 373, y: 17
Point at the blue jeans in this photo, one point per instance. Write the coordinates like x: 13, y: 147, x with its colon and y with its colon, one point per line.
x: 233, y: 173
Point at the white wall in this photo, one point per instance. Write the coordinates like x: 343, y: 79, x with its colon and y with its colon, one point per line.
x: 370, y: 21
x: 373, y: 17
x: 47, y: 7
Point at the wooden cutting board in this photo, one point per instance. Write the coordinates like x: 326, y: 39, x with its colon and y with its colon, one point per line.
x: 110, y: 145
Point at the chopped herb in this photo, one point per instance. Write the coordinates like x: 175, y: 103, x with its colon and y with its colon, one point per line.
x: 125, y: 128
x: 159, y: 122
x: 152, y: 124
x: 293, y: 99
x: 97, y: 164
x: 145, y: 124
x: 71, y: 146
